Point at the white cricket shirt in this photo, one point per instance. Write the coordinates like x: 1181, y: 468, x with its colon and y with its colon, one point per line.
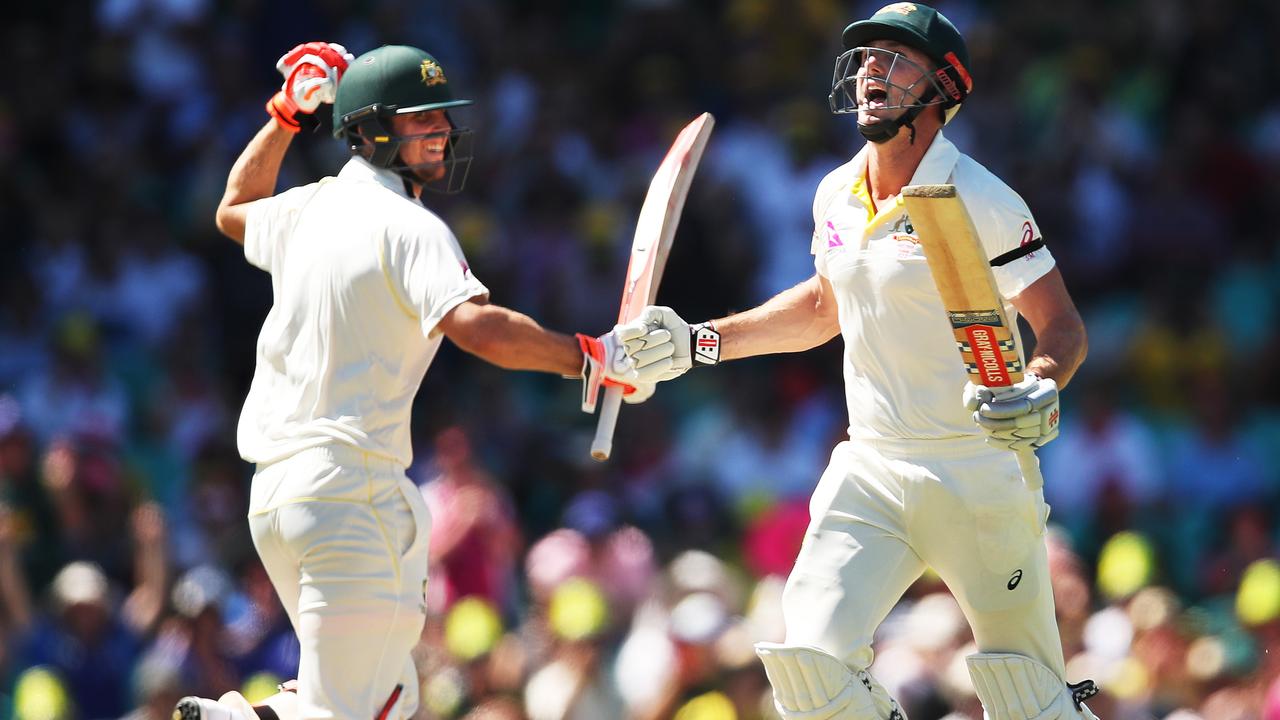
x: 902, y: 372
x: 361, y: 275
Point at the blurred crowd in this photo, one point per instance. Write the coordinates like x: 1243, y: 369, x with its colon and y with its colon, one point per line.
x: 1144, y: 134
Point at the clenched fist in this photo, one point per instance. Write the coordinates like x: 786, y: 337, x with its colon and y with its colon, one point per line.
x: 1019, y: 417
x: 311, y: 73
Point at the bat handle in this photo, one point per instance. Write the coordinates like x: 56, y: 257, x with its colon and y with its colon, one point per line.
x: 602, y: 444
x: 1029, y: 464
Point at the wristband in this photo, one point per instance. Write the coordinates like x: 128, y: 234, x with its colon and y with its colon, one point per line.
x: 288, y: 116
x: 704, y: 343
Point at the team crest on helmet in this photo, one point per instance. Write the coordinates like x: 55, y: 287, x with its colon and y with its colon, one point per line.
x: 432, y: 73
x: 903, y: 8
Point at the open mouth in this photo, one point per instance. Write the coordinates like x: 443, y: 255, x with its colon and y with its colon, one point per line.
x: 874, y: 98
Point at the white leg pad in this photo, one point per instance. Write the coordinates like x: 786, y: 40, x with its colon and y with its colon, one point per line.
x: 809, y: 684
x: 1015, y: 687
x: 231, y: 705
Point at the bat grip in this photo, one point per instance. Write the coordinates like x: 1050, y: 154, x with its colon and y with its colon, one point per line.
x: 1028, y: 464
x: 602, y: 443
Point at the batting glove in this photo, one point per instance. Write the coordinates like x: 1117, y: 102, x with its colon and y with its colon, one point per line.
x: 311, y: 73
x: 1019, y: 417
x: 605, y: 363
x: 671, y: 347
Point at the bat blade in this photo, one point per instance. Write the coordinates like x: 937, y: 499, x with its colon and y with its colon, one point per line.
x: 655, y: 232
x: 962, y: 273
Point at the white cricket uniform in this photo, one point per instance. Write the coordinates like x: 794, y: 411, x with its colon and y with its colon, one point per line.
x: 361, y: 274
x: 916, y: 484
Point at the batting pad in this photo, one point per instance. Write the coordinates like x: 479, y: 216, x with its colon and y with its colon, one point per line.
x: 1015, y: 687
x: 236, y: 704
x: 809, y: 684
x: 284, y: 704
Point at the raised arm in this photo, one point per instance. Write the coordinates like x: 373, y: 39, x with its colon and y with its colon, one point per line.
x: 311, y: 73
x: 253, y: 177
x: 146, y: 602
x: 15, y: 595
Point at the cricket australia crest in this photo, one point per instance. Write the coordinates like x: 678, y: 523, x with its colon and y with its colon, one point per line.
x: 432, y: 73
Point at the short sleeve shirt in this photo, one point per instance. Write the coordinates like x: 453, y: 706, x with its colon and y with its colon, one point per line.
x: 361, y: 275
x: 903, y: 374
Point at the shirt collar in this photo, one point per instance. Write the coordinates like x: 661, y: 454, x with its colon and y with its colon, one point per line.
x: 938, y: 162
x: 934, y: 168
x: 358, y: 169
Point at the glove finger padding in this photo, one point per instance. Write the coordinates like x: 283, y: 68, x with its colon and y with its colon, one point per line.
x: 310, y: 92
x: 1026, y: 422
x: 975, y: 395
x: 654, y: 345
x: 660, y: 316
x: 1039, y: 397
x: 605, y: 363
x: 647, y: 358
x: 1014, y: 444
x: 311, y: 72
x: 992, y: 425
x: 655, y: 371
x: 632, y: 331
x: 322, y: 53
x: 641, y: 391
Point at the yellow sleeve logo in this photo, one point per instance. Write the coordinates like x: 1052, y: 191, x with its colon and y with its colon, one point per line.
x: 432, y: 73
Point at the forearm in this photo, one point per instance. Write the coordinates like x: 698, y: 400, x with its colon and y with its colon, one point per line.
x: 253, y: 177
x: 144, y: 605
x: 512, y: 340
x: 1060, y: 349
x: 794, y: 320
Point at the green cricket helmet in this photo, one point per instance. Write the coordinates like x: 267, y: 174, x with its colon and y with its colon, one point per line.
x: 918, y: 26
x: 396, y: 80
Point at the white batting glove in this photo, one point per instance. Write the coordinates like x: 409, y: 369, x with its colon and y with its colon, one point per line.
x: 649, y: 347
x: 643, y: 391
x: 1019, y: 417
x: 672, y: 346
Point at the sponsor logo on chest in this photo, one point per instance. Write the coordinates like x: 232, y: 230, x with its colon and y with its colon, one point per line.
x: 903, y: 235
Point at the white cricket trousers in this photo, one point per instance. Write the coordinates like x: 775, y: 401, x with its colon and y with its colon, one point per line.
x: 885, y: 509
x: 343, y: 536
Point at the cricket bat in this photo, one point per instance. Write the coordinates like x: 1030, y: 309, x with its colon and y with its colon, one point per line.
x: 962, y: 272
x: 655, y: 231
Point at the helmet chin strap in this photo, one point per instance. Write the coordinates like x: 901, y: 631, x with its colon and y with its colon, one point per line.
x: 883, y: 132
x: 409, y: 187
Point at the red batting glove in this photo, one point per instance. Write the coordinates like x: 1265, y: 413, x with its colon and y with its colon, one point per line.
x: 311, y: 73
x: 604, y: 363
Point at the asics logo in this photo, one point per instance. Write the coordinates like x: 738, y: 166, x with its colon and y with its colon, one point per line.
x: 1017, y: 578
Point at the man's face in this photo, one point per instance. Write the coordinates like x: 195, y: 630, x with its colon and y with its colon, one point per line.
x: 890, y: 76
x: 424, y: 154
